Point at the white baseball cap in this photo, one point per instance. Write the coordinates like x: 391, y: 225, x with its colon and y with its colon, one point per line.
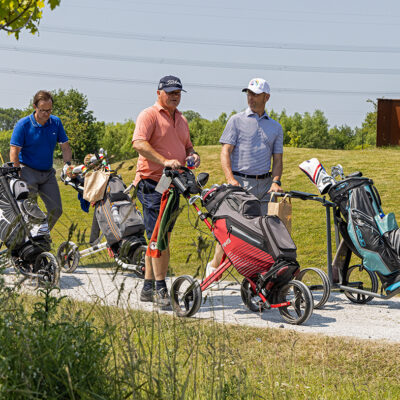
x: 257, y: 86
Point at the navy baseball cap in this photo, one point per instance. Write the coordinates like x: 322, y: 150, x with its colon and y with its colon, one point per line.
x: 170, y: 83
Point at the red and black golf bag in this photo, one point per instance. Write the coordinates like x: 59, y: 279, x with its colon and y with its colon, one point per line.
x: 253, y: 242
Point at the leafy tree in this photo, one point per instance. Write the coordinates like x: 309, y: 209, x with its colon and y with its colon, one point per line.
x: 366, y: 135
x: 16, y: 15
x: 203, y: 131
x: 314, y: 131
x: 9, y: 117
x: 190, y: 115
x: 341, y: 137
x: 117, y: 140
x: 5, y: 138
x: 82, y: 129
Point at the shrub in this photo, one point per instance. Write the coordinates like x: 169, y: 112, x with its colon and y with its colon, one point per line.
x: 51, y: 355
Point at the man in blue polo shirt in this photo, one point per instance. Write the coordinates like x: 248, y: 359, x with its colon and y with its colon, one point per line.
x: 32, y: 147
x: 250, y: 141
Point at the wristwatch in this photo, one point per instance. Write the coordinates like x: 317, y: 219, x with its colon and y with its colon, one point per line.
x: 277, y: 181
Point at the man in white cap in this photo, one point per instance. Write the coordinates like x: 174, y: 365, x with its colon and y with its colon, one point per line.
x: 250, y: 141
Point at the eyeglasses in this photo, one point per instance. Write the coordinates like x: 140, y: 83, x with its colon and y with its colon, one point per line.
x: 45, y: 111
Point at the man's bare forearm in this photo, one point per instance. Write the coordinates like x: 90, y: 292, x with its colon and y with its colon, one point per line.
x: 145, y: 149
x: 14, y: 153
x: 277, y: 167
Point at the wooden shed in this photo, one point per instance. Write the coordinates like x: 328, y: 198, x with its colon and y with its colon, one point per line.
x: 388, y: 123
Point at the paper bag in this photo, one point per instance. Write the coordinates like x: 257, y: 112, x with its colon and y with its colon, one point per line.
x: 282, y: 209
x: 95, y: 185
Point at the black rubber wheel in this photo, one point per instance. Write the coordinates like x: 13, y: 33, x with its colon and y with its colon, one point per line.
x: 47, y: 267
x: 68, y: 256
x: 250, y: 299
x: 185, y: 296
x: 318, y: 283
x: 138, y: 259
x: 371, y: 284
x: 300, y: 297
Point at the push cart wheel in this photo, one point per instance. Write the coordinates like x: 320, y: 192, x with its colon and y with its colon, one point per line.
x: 185, y: 296
x: 360, y: 278
x: 301, y: 302
x: 46, y: 266
x: 68, y: 256
x: 250, y: 299
x: 138, y: 259
x: 318, y: 283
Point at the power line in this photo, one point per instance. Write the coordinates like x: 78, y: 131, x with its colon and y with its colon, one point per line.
x: 219, y: 6
x: 202, y: 63
x: 153, y: 83
x: 244, y: 13
x: 222, y: 42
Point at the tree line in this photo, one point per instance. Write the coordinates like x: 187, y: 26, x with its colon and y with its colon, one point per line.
x: 87, y: 135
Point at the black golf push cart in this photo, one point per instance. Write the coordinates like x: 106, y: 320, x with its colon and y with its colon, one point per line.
x: 258, y: 247
x: 24, y: 231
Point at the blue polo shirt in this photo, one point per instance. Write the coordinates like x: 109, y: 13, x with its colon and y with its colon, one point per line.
x: 255, y: 139
x: 37, y: 141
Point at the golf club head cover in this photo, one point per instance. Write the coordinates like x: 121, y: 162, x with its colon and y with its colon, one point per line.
x: 317, y: 174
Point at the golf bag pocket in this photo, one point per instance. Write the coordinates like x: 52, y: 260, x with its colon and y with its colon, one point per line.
x: 226, y: 199
x: 130, y: 221
x: 277, y: 238
x: 386, y: 223
x: 130, y: 217
x: 34, y: 217
x: 19, y: 189
x: 370, y: 244
x: 245, y: 247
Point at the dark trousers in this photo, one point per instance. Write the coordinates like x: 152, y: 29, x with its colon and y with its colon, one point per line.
x: 45, y: 184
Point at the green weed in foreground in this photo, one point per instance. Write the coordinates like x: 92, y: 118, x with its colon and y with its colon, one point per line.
x: 46, y: 353
x: 54, y: 350
x: 154, y: 356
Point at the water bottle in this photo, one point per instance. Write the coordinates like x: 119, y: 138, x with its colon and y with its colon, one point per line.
x: 115, y: 214
x: 190, y: 162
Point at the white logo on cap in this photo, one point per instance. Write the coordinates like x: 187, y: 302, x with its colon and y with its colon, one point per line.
x: 172, y: 82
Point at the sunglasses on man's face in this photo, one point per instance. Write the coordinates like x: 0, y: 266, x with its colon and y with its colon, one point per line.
x: 45, y: 111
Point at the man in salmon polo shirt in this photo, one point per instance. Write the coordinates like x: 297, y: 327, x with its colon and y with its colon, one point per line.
x: 162, y: 139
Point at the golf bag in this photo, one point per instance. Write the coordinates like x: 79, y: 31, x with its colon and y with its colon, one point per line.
x: 24, y: 229
x: 368, y: 232
x: 118, y: 218
x: 254, y: 243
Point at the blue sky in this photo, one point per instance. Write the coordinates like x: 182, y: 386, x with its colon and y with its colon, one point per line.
x: 323, y: 55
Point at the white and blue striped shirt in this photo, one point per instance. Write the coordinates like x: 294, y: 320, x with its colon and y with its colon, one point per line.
x: 255, y: 139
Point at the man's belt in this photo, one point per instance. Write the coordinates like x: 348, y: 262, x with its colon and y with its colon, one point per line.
x: 263, y: 176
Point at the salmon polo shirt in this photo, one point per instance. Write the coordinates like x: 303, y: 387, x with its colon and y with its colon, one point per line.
x: 169, y: 138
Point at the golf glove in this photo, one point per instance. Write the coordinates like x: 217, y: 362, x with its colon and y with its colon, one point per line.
x: 66, y: 171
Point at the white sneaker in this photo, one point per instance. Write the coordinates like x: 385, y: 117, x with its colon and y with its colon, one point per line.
x: 209, y: 271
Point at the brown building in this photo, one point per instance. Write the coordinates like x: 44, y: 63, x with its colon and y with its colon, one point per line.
x: 388, y: 123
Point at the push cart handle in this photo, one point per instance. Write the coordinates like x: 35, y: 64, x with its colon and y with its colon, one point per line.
x: 9, y: 170
x: 295, y: 194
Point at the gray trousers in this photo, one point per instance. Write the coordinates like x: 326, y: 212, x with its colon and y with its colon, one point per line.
x: 258, y: 188
x: 45, y: 184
